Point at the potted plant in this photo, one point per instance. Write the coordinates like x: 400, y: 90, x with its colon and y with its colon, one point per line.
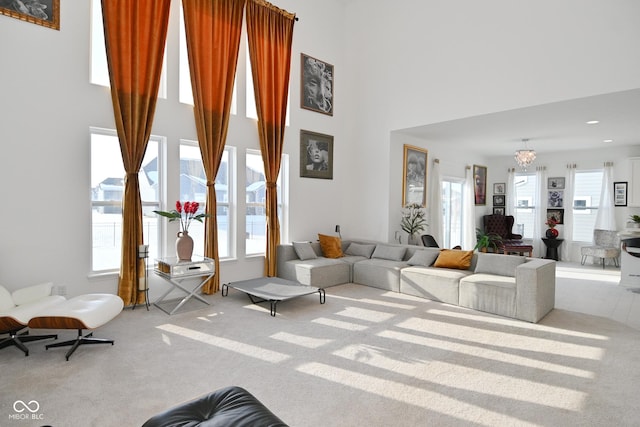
x: 635, y: 221
x: 413, y: 221
x: 485, y: 240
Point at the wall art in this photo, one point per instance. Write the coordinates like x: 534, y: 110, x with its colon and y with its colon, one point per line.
x: 316, y: 155
x: 40, y: 12
x: 316, y: 92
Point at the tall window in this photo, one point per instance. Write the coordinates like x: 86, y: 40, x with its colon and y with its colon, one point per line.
x: 255, y: 193
x: 193, y: 187
x: 524, y: 208
x: 107, y: 187
x: 451, y: 212
x: 586, y: 200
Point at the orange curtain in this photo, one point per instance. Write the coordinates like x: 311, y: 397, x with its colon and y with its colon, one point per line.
x: 270, y: 33
x: 135, y: 32
x: 213, y: 30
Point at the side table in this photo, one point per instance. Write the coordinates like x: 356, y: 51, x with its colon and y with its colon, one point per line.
x: 175, y: 271
x: 552, y: 247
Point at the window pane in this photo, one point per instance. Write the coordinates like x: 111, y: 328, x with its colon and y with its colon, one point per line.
x: 193, y: 187
x: 255, y: 237
x: 585, y: 204
x: 107, y: 187
x: 451, y: 213
x: 524, y: 204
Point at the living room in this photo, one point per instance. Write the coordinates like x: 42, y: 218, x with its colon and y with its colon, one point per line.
x: 434, y: 62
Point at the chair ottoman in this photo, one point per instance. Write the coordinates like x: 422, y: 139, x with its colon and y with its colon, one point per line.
x: 226, y: 407
x: 88, y: 311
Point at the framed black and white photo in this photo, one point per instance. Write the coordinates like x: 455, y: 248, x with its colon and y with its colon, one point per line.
x: 498, y: 200
x: 316, y: 155
x: 414, y: 176
x: 316, y: 92
x: 556, y: 214
x: 498, y: 211
x: 620, y: 193
x: 556, y: 183
x: 499, y: 188
x: 555, y: 199
x: 40, y: 12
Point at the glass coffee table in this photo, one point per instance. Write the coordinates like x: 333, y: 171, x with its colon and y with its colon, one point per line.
x: 272, y: 290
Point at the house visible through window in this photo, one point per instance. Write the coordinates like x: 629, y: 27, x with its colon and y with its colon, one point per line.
x: 451, y: 212
x: 524, y: 207
x: 107, y: 188
x: 588, y: 185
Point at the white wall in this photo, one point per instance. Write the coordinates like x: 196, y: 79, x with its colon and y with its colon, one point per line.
x: 397, y: 64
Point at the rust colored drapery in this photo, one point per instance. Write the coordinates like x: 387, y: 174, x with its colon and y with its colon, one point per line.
x: 270, y: 33
x: 213, y: 29
x: 135, y: 32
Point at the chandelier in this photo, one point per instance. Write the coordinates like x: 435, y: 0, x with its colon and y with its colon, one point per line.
x: 525, y: 157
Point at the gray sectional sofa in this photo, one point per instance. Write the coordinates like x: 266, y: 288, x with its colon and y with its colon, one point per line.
x: 506, y: 285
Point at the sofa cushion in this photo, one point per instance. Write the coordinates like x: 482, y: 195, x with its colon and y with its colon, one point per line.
x: 454, y: 258
x: 304, y: 250
x: 331, y: 246
x: 392, y: 253
x: 360, y: 249
x: 423, y: 258
x: 498, y: 264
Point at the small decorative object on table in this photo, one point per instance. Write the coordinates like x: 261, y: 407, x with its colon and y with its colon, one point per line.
x: 552, y: 232
x: 185, y: 213
x: 635, y: 221
x: 413, y: 221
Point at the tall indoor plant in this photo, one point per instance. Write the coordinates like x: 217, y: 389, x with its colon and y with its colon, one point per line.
x: 413, y: 221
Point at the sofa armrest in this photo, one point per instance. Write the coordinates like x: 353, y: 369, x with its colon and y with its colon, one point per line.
x: 535, y: 289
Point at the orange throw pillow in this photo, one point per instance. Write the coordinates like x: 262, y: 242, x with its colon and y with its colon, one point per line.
x: 450, y: 258
x: 331, y: 246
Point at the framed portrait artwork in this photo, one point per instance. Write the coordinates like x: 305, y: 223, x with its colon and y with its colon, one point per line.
x: 316, y: 155
x: 499, y: 188
x: 556, y: 214
x: 40, y: 12
x: 498, y: 200
x: 480, y: 184
x: 556, y: 183
x: 498, y: 211
x: 414, y: 176
x: 316, y: 92
x: 555, y: 199
x: 620, y: 193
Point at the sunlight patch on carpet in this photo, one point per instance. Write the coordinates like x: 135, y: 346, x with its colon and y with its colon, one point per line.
x: 300, y: 340
x: 365, y: 314
x: 347, y: 326
x: 427, y: 399
x: 227, y: 344
x: 436, y: 373
x: 486, y: 352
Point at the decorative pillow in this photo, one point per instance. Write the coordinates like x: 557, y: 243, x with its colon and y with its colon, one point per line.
x: 424, y: 258
x: 359, y: 249
x: 498, y: 264
x: 393, y: 253
x: 304, y: 250
x: 331, y: 246
x: 454, y: 258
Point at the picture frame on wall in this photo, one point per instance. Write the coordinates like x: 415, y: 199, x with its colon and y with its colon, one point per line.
x: 41, y: 12
x: 414, y: 176
x: 480, y: 184
x: 620, y: 193
x: 498, y: 200
x: 316, y: 85
x: 316, y: 155
x: 555, y: 198
x: 499, y: 188
x: 556, y: 183
x: 556, y: 214
x: 498, y: 211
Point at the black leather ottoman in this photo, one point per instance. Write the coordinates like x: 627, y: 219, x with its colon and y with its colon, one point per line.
x: 228, y: 407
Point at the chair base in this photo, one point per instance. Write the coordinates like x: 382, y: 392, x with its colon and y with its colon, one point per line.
x: 80, y: 340
x: 18, y: 340
x: 584, y: 259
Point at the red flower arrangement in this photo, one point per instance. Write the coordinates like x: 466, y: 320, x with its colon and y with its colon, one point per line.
x: 185, y: 213
x: 551, y: 222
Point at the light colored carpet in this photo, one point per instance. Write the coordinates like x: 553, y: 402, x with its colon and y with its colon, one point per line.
x: 365, y: 358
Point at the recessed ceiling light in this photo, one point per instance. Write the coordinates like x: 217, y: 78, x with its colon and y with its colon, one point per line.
x: 608, y: 140
x: 593, y: 122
